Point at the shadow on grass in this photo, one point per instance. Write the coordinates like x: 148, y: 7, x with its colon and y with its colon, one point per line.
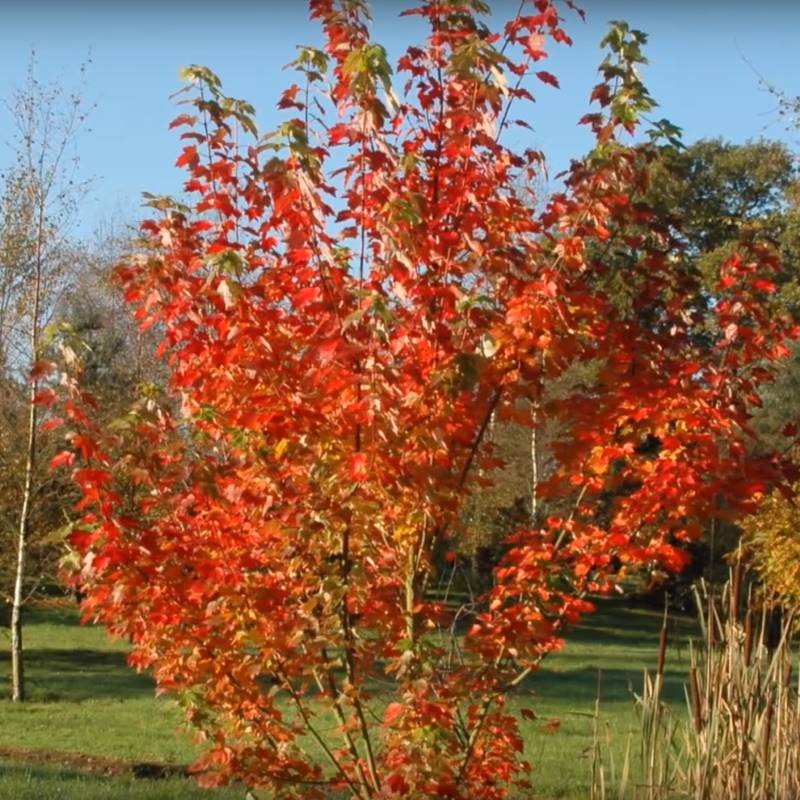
x: 64, y: 613
x: 616, y: 622
x: 23, y: 781
x: 579, y: 687
x: 44, y: 772
x: 77, y: 675
x: 33, y: 772
x: 617, y: 631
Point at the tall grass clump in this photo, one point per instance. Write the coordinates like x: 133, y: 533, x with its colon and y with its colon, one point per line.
x: 739, y: 733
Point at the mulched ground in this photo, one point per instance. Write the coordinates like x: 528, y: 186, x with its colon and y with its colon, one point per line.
x: 95, y: 765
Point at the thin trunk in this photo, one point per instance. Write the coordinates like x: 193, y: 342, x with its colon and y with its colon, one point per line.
x: 17, y: 661
x: 17, y: 653
x: 534, y: 466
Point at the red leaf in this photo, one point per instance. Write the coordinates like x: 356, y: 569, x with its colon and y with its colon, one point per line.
x: 551, y: 726
x: 81, y: 540
x: 86, y: 445
x: 535, y: 46
x: 188, y: 157
x: 52, y: 423
x: 602, y: 94
x: 300, y: 255
x: 91, y: 477
x: 42, y: 368
x: 307, y: 296
x: 326, y: 352
x: 289, y: 98
x: 183, y: 119
x: 357, y: 467
x: 397, y: 783
x: 44, y: 397
x: 547, y: 77
x: 764, y: 286
x: 66, y: 458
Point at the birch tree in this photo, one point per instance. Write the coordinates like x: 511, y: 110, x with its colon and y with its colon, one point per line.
x: 40, y: 201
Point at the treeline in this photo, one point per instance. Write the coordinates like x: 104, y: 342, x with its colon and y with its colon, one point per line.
x: 711, y: 198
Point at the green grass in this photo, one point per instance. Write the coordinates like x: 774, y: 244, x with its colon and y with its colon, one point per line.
x: 25, y: 782
x: 84, y: 699
x: 607, y: 654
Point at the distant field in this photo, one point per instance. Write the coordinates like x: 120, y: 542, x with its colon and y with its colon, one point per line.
x: 93, y: 724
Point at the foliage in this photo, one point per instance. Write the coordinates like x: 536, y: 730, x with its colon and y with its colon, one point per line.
x: 346, y: 304
x: 772, y: 542
x: 711, y: 196
x: 718, y: 192
x: 715, y: 194
x: 708, y: 196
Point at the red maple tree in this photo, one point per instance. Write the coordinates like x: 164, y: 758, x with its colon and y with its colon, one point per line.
x: 346, y: 304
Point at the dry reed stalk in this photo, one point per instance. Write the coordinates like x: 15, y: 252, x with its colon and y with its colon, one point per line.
x: 741, y: 736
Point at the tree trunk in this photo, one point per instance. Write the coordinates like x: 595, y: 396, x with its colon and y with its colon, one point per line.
x: 17, y: 659
x: 534, y: 466
x: 17, y: 652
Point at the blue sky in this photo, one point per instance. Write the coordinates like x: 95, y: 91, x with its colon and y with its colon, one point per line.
x: 699, y: 72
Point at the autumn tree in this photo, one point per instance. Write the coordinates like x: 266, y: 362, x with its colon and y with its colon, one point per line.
x: 346, y: 305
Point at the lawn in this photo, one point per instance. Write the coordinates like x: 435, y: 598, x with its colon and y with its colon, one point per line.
x: 93, y: 728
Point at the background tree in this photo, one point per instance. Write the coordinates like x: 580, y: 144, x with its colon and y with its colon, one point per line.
x: 772, y: 544
x: 716, y: 194
x: 39, y: 204
x: 117, y: 357
x: 770, y: 537
x: 706, y: 199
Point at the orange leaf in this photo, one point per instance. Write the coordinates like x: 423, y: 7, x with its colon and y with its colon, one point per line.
x: 393, y: 713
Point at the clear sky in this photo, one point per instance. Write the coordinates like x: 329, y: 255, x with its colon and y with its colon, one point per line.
x: 699, y: 52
